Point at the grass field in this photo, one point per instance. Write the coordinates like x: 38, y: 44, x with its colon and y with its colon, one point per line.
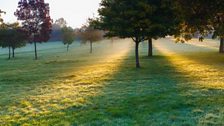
x: 182, y: 85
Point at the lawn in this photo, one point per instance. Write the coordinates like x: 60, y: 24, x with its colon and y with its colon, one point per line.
x: 182, y: 85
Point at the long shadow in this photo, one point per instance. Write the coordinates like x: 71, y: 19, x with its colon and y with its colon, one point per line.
x: 156, y: 94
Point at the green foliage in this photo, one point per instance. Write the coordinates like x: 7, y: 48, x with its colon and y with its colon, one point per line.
x: 201, y: 17
x: 12, y: 35
x: 218, y: 24
x: 138, y: 19
x: 204, y: 17
x: 67, y: 35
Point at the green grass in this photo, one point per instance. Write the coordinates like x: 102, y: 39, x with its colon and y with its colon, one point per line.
x: 182, y: 85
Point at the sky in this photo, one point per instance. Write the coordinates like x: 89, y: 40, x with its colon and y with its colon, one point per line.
x: 75, y: 12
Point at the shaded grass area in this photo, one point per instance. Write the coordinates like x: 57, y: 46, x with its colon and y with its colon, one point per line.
x: 175, y: 87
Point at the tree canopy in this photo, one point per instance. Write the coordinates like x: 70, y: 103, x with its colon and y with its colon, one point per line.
x: 137, y: 19
x: 202, y: 16
x: 68, y: 36
x: 89, y: 34
x: 12, y: 36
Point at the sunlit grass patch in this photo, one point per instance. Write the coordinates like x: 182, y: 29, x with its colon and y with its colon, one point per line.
x: 71, y: 88
x: 205, y: 68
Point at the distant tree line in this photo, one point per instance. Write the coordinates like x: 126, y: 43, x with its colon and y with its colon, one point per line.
x: 85, y: 34
x: 141, y: 20
x: 37, y: 26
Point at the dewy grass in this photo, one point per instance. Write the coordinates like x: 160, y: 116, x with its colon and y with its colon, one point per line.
x: 181, y: 85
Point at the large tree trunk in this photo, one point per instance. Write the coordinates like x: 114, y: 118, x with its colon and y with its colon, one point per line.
x: 35, y: 48
x: 91, y: 47
x: 221, y: 48
x: 67, y: 47
x: 150, y: 53
x: 9, y: 52
x: 137, y: 54
x: 13, y: 52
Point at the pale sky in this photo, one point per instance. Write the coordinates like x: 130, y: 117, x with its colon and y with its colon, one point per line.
x: 75, y: 12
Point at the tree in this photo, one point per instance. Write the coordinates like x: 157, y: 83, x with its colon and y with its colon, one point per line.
x: 19, y: 39
x: 1, y: 22
x: 218, y: 25
x: 89, y: 34
x: 61, y: 22
x: 163, y: 21
x: 67, y: 36
x: 137, y: 19
x: 12, y: 37
x: 35, y: 18
x: 5, y: 37
x: 124, y: 19
x: 201, y: 16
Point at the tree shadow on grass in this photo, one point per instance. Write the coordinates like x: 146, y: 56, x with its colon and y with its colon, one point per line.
x: 157, y: 94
